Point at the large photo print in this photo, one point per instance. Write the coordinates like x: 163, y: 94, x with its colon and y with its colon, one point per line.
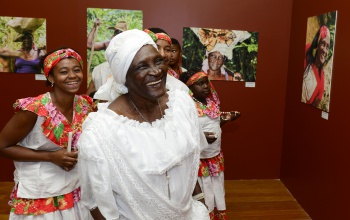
x: 103, y: 24
x: 229, y: 55
x: 318, y: 62
x: 22, y: 44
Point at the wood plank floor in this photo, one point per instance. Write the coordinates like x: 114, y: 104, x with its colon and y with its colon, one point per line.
x: 261, y: 200
x: 245, y: 200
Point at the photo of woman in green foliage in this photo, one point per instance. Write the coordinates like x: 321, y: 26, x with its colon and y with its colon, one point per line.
x: 102, y: 25
x: 223, y: 54
x: 318, y: 62
x: 22, y: 44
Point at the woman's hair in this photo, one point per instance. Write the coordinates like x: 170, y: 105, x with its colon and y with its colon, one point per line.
x: 157, y: 30
x: 41, y: 62
x: 185, y: 76
x: 175, y: 42
x: 312, y: 51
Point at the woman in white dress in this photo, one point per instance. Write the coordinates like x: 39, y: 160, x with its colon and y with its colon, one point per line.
x: 47, y: 182
x: 139, y: 153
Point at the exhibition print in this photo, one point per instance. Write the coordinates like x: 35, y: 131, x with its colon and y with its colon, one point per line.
x: 318, y: 61
x: 102, y: 25
x: 229, y: 55
x: 22, y: 44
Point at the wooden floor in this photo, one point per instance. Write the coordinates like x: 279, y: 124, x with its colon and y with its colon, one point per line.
x: 245, y: 200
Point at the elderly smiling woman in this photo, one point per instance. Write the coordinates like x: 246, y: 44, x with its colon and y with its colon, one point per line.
x: 139, y: 154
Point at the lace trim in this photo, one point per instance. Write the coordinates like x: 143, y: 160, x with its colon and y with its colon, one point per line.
x: 145, y: 201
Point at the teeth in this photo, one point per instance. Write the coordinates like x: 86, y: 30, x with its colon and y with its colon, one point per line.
x: 152, y: 83
x: 71, y: 83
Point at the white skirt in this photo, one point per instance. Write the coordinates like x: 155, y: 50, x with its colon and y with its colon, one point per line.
x: 213, y: 188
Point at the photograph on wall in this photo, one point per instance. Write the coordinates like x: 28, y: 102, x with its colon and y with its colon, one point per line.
x: 229, y: 55
x: 22, y: 43
x: 102, y: 25
x: 318, y: 61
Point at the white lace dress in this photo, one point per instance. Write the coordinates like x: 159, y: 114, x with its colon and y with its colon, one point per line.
x: 133, y: 170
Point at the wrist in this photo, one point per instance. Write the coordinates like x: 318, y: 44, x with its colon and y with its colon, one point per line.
x: 198, y: 197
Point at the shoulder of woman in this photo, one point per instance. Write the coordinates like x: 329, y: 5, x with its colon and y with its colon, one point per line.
x: 33, y: 104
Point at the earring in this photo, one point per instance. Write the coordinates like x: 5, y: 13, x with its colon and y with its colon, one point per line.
x: 52, y: 84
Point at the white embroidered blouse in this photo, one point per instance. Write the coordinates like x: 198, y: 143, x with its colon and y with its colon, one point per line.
x: 133, y: 170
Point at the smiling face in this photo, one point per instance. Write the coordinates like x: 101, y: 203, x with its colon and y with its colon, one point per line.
x: 201, y: 89
x: 216, y: 60
x: 27, y: 41
x: 146, y: 76
x: 67, y: 75
x: 322, y: 50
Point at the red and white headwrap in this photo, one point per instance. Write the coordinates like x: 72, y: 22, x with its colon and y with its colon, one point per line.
x: 52, y: 59
x: 158, y: 36
x: 324, y: 32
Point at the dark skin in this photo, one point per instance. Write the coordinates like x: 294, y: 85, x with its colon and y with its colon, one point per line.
x: 321, y: 55
x: 67, y: 76
x: 145, y: 80
x: 201, y: 90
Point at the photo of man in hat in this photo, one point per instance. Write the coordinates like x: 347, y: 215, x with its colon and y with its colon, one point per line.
x: 102, y: 71
x: 102, y: 25
x: 119, y: 27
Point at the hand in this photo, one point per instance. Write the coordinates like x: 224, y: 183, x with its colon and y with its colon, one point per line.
x: 210, y: 136
x: 64, y: 159
x: 97, y: 22
x: 234, y: 115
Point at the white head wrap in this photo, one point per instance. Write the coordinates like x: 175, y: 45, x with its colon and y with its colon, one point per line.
x: 119, y: 54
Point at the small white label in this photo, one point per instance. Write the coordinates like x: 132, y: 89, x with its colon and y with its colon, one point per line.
x: 40, y: 77
x: 250, y: 84
x: 324, y: 115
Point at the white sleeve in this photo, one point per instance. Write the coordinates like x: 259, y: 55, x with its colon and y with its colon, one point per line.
x: 96, y: 180
x: 202, y: 139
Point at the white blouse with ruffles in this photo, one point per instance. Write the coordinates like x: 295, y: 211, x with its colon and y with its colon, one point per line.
x: 126, y: 164
x: 211, y: 125
x: 42, y: 179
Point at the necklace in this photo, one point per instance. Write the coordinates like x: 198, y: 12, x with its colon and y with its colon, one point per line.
x: 196, y: 100
x: 160, y: 110
x: 211, y: 109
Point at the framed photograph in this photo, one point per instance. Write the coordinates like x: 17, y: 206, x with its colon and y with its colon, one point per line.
x: 229, y: 55
x: 22, y: 44
x: 318, y: 62
x: 103, y: 24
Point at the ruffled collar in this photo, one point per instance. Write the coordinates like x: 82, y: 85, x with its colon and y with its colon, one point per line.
x: 55, y: 126
x: 164, y: 139
x: 168, y: 114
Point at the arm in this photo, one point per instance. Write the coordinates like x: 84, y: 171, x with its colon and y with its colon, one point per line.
x: 96, y: 181
x: 16, y: 130
x: 197, y: 190
x: 96, y: 214
x: 210, y: 136
x: 97, y: 45
x: 229, y: 116
x: 5, y: 52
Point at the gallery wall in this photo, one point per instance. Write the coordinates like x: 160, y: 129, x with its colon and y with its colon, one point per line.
x: 252, y: 145
x: 315, y: 158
